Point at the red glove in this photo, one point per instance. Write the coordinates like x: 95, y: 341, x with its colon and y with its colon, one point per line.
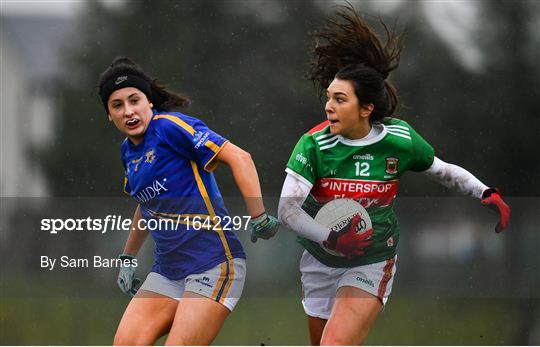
x: 492, y: 198
x: 347, y: 241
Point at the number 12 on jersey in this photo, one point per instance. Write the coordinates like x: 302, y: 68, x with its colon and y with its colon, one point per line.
x: 362, y: 169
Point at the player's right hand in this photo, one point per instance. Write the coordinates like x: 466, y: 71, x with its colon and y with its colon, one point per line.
x: 264, y: 227
x: 347, y: 241
x: 493, y: 199
x: 126, y: 278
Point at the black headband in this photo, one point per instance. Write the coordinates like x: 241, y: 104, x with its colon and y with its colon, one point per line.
x: 124, y: 81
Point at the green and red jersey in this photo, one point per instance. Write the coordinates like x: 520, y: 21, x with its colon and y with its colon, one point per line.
x: 367, y: 171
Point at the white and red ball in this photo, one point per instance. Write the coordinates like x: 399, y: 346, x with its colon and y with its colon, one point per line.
x: 338, y: 213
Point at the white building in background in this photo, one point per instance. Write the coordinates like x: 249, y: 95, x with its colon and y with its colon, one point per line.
x: 30, y: 61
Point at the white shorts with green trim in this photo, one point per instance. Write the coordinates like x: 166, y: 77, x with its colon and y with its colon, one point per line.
x: 223, y: 283
x: 320, y: 283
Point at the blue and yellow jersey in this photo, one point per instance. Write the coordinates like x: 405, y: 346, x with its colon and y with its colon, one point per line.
x: 170, y: 176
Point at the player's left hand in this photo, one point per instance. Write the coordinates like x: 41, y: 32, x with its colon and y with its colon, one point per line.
x: 493, y: 199
x: 126, y: 277
x: 263, y: 227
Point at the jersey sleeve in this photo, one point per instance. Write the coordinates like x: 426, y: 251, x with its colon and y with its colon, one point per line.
x: 127, y: 189
x: 303, y: 160
x: 191, y: 138
x: 423, y: 152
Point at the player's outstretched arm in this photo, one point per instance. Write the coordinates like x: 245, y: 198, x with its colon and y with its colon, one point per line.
x: 291, y: 214
x: 462, y: 181
x: 126, y: 277
x: 245, y: 175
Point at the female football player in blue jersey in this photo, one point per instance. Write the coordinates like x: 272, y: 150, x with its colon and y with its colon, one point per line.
x: 199, y: 269
x: 359, y: 152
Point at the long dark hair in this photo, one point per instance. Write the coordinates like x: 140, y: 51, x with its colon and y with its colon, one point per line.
x: 346, y: 47
x: 162, y: 99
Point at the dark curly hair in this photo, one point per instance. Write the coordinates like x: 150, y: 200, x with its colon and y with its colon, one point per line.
x: 347, y: 48
x: 162, y: 99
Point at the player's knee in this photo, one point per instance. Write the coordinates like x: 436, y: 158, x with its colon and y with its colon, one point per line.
x: 334, y: 341
x: 122, y: 338
x: 337, y: 341
x: 177, y: 341
x: 330, y: 338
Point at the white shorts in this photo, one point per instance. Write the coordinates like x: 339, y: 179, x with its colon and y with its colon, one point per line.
x: 320, y: 283
x: 223, y: 283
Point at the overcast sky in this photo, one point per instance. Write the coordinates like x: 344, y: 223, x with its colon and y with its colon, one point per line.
x: 451, y: 20
x: 62, y: 8
x: 66, y: 8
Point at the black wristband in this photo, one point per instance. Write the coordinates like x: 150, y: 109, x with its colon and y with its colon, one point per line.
x: 125, y: 256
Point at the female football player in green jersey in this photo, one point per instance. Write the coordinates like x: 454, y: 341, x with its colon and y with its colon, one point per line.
x: 360, y: 153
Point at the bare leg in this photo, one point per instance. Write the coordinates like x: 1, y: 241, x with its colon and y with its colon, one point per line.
x: 352, y: 316
x: 148, y: 316
x: 316, y: 327
x: 197, y: 321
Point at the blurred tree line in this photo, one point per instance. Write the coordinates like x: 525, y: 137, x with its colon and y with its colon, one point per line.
x: 244, y: 66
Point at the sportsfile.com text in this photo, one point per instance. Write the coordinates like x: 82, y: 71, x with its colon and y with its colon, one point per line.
x: 118, y: 223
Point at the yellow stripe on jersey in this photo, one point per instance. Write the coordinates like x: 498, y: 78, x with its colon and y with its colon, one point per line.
x: 178, y: 122
x: 229, y: 282
x: 182, y: 215
x: 125, y: 185
x: 210, y: 208
x: 187, y: 219
x: 212, y: 146
x: 212, y: 164
x: 188, y: 223
x: 222, y: 277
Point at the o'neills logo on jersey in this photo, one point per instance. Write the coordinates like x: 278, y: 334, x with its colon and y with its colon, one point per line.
x: 300, y: 157
x: 151, y: 192
x: 368, y: 193
x: 366, y: 156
